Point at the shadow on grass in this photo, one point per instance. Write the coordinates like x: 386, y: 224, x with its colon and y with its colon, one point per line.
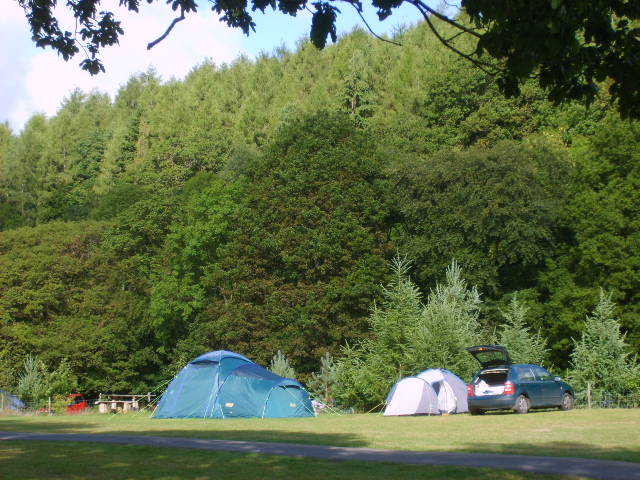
x: 271, y: 436
x: 275, y: 431
x: 26, y: 460
x: 511, y: 412
x: 251, y: 433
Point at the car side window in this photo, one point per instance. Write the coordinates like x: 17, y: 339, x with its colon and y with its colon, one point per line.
x: 525, y: 374
x: 542, y: 374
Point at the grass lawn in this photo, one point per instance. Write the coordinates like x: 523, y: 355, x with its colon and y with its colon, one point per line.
x: 26, y: 460
x: 608, y: 433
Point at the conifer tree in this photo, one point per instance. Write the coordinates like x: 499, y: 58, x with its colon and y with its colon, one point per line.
x: 33, y: 382
x: 27, y: 168
x: 358, y: 95
x: 322, y: 384
x: 368, y: 370
x: 601, y: 361
x: 408, y: 337
x: 280, y: 366
x: 447, y: 325
x: 9, y: 216
x: 523, y: 346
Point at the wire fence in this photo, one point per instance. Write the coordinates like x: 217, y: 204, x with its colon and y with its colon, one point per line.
x: 607, y: 400
x: 75, y: 404
x: 60, y: 406
x: 111, y: 404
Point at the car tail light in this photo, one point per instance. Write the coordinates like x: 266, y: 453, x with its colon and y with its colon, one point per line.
x: 509, y: 388
x: 470, y: 391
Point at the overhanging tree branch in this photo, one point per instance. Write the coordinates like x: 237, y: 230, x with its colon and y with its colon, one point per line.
x: 359, y: 11
x: 150, y: 45
x: 487, y: 68
x: 423, y: 7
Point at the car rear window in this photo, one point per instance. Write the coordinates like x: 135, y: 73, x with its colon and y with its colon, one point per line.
x: 493, y: 377
x: 490, y: 382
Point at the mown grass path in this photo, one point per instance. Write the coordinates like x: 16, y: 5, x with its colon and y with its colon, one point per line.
x: 587, y: 434
x: 580, y: 467
x: 606, y: 434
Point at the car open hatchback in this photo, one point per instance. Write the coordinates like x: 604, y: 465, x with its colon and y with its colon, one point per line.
x: 502, y: 385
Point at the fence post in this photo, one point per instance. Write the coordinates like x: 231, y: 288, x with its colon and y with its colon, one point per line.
x: 589, y: 394
x: 49, y: 405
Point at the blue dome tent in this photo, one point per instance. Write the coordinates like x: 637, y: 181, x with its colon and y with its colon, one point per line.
x: 224, y: 384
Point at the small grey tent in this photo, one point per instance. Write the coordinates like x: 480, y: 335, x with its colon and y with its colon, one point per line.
x: 431, y: 392
x: 412, y: 396
x: 450, y: 389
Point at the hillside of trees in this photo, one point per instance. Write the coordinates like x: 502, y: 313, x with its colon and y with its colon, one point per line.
x: 258, y: 206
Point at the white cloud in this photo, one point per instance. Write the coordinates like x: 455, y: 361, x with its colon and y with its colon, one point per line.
x: 37, y: 80
x: 11, y: 13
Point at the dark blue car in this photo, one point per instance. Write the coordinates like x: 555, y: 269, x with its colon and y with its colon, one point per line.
x: 502, y: 385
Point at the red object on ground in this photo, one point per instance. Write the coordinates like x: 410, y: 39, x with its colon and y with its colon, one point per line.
x: 77, y: 403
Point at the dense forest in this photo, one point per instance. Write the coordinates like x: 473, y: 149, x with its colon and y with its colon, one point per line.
x: 258, y: 207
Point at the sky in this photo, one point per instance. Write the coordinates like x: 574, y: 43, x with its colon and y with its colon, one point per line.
x: 36, y: 80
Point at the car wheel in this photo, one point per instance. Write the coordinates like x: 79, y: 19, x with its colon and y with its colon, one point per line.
x: 522, y: 404
x: 476, y: 412
x: 567, y: 402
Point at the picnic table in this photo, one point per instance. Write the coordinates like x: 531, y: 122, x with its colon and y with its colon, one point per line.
x: 112, y: 403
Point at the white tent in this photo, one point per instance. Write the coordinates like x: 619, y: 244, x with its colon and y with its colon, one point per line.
x: 450, y: 389
x: 412, y: 396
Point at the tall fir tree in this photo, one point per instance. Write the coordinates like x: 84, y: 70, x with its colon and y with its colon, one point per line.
x: 367, y: 370
x: 523, y: 346
x: 449, y: 322
x: 601, y: 362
